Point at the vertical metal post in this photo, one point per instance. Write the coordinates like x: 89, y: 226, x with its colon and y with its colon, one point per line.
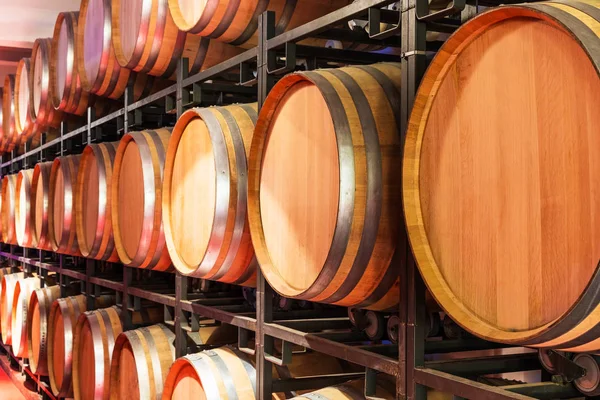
x: 413, y: 311
x: 181, y: 282
x: 264, y: 293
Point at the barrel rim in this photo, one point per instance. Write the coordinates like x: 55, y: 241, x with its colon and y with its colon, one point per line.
x: 70, y: 21
x: 25, y: 287
x: 87, y: 83
x: 23, y: 132
x: 40, y: 366
x: 146, y: 9
x: 9, y: 234
x: 411, y: 192
x: 26, y: 237
x: 8, y: 109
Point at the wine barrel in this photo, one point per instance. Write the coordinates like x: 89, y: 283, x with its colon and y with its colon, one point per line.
x: 9, y: 134
x: 500, y: 204
x: 146, y: 39
x: 61, y: 216
x: 352, y: 390
x: 140, y: 362
x: 64, y: 314
x: 24, y: 209
x: 98, y: 69
x: 136, y: 199
x: 24, y: 126
x: 9, y: 198
x: 40, y: 192
x: 9, y: 283
x: 3, y: 272
x: 323, y: 194
x: 41, y: 107
x: 20, y: 307
x: 227, y: 373
x: 95, y: 336
x: 66, y: 90
x: 92, y: 202
x: 205, y: 220
x: 37, y: 327
x: 237, y: 22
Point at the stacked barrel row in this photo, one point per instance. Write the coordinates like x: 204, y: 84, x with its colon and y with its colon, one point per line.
x: 209, y: 196
x: 87, y: 354
x: 96, y: 52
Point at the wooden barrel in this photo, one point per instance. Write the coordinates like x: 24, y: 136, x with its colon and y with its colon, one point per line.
x: 64, y: 314
x: 20, y: 308
x: 41, y: 106
x: 37, y: 327
x: 323, y: 194
x: 146, y: 39
x: 97, y: 66
x: 136, y: 199
x: 24, y: 209
x: 227, y: 373
x: 66, y: 90
x: 352, y: 390
x: 500, y: 204
x: 9, y: 282
x: 9, y: 199
x: 9, y: 135
x: 237, y: 22
x: 92, y: 202
x: 61, y: 215
x: 95, y: 336
x: 24, y: 126
x: 40, y: 192
x: 202, y: 203
x: 3, y: 272
x: 140, y: 362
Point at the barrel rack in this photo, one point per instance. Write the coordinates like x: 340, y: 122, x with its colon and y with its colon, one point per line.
x: 315, y: 328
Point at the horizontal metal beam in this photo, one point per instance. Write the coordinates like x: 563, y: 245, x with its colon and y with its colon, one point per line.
x: 545, y: 390
x: 339, y: 350
x: 463, y: 387
x: 488, y: 365
x: 313, y: 382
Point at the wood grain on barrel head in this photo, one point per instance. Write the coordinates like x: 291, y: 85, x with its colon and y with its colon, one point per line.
x: 193, y: 193
x: 93, y: 39
x: 191, y: 10
x: 500, y: 199
x: 62, y: 59
x: 131, y: 199
x: 87, y: 378
x: 129, y: 22
x: 22, y: 112
x: 129, y: 384
x: 90, y: 200
x: 188, y: 385
x: 39, y: 209
x: 58, y: 348
x: 34, y: 355
x: 58, y: 205
x: 38, y: 73
x: 299, y: 185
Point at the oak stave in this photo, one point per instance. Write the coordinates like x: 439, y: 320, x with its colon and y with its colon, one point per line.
x: 62, y: 218
x: 9, y: 283
x: 41, y: 107
x: 20, y: 307
x: 138, y: 368
x: 226, y: 372
x: 9, y: 198
x: 156, y: 50
x: 538, y: 309
x: 9, y: 135
x: 345, y: 250
x: 236, y: 23
x: 24, y: 209
x: 64, y: 314
x: 95, y: 336
x: 221, y: 249
x: 37, y: 327
x: 136, y: 199
x: 40, y: 192
x: 24, y: 124
x: 93, y: 202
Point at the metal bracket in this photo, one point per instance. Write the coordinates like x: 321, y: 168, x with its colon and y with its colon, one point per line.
x: 455, y: 7
x: 565, y: 367
x: 290, y: 60
x: 247, y: 75
x: 375, y: 25
x: 286, y: 355
x: 243, y: 340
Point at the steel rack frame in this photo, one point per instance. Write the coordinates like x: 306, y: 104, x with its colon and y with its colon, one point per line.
x: 328, y: 329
